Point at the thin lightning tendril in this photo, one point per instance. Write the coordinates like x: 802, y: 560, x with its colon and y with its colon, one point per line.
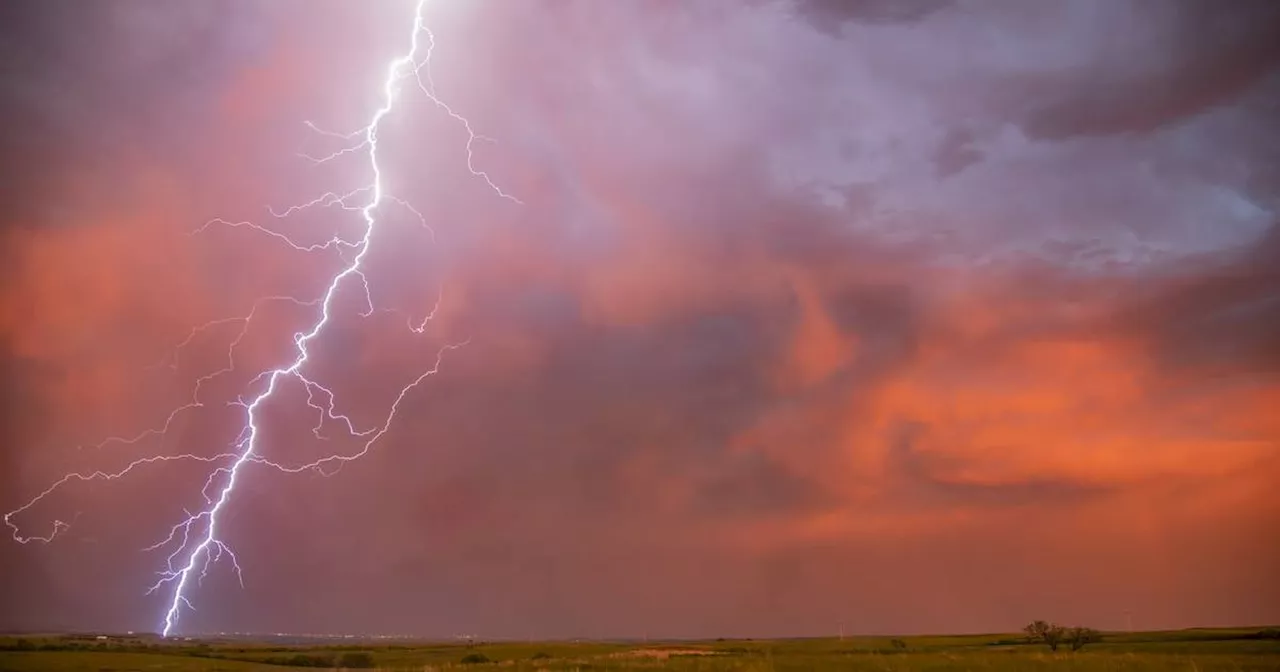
x: 194, y: 544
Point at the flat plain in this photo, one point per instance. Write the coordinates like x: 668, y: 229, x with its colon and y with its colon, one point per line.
x: 1198, y: 650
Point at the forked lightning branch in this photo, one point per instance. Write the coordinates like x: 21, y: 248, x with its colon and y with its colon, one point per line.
x: 196, y: 542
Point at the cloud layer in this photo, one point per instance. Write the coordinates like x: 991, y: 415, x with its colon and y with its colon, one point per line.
x: 918, y: 316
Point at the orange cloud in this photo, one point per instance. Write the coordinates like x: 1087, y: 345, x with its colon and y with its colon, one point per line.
x: 97, y: 298
x: 992, y: 410
x: 818, y: 347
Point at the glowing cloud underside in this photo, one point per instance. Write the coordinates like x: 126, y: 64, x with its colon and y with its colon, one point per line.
x: 195, y: 540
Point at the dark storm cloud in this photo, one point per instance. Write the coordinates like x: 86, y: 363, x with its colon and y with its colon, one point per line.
x: 1197, y: 57
x: 828, y: 16
x: 1222, y: 313
x: 86, y: 84
x: 791, y: 319
x: 956, y: 152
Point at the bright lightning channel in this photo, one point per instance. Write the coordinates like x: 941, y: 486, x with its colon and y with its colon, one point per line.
x: 195, y: 539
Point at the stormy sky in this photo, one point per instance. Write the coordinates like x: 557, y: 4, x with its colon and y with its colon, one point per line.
x: 914, y: 316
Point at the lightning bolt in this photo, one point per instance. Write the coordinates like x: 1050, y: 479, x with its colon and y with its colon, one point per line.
x: 195, y: 542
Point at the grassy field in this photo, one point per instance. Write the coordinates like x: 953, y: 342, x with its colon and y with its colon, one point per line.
x: 1202, y: 650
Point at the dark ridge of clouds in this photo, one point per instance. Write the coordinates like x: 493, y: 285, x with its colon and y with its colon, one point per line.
x: 65, y: 63
x: 830, y: 16
x: 85, y: 86
x: 1220, y: 313
x: 956, y: 152
x: 1210, y: 53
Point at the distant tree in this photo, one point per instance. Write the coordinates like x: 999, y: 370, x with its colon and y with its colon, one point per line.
x: 1035, y: 631
x: 541, y: 655
x: 1078, y: 637
x: 1046, y: 633
x: 356, y: 660
x: 475, y: 659
x: 898, y: 644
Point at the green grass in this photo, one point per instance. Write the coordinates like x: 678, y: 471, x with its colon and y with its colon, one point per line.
x: 109, y: 661
x: 1199, y: 650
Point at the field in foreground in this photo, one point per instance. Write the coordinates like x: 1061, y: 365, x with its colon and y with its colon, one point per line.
x: 1202, y: 650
